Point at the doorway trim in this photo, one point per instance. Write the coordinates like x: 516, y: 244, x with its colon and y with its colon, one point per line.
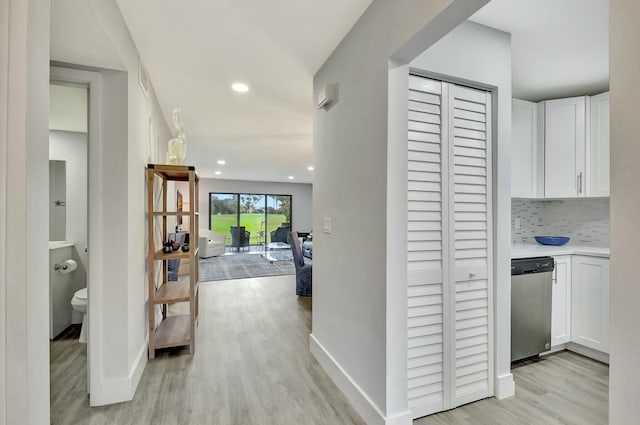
x: 95, y: 234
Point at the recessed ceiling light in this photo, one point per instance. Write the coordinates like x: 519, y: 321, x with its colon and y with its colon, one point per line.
x: 217, y: 173
x: 310, y: 168
x: 240, y: 87
x: 291, y: 177
x: 222, y: 161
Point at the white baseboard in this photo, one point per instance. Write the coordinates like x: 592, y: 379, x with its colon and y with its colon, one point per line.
x: 404, y: 418
x: 361, y: 402
x: 588, y: 352
x: 117, y: 390
x: 505, y: 386
x: 135, y: 373
x: 580, y: 349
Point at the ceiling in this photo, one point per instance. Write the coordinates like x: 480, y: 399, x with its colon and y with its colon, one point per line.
x: 559, y: 48
x: 77, y: 36
x: 193, y: 54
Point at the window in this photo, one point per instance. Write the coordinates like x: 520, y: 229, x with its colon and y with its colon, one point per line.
x: 260, y: 215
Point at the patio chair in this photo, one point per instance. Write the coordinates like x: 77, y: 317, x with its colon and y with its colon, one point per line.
x: 280, y: 234
x: 240, y: 238
x: 303, y: 271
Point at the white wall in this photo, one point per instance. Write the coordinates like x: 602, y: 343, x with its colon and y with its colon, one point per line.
x: 481, y: 56
x: 358, y: 309
x: 130, y: 129
x: 68, y: 108
x: 624, y: 392
x: 124, y: 353
x: 301, y: 205
x: 72, y: 148
x: 24, y: 348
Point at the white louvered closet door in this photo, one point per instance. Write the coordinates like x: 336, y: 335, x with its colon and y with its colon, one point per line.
x: 426, y: 247
x: 449, y: 245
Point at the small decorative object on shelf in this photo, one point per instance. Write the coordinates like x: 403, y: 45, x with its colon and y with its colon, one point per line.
x: 167, y: 287
x: 177, y: 148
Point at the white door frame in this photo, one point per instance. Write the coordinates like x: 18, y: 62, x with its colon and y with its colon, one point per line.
x: 95, y: 236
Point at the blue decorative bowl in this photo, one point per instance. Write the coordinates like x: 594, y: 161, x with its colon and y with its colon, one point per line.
x: 552, y: 240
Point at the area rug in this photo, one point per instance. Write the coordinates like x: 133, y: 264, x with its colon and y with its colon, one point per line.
x: 241, y: 266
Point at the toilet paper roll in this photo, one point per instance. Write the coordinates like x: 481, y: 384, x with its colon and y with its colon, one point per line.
x: 67, y: 266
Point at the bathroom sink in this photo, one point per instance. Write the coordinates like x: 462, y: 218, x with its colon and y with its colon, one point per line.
x: 59, y: 244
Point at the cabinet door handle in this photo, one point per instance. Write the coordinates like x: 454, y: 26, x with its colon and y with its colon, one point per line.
x: 579, y: 180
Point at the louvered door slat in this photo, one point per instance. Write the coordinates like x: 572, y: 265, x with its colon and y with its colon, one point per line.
x: 418, y: 136
x: 470, y: 143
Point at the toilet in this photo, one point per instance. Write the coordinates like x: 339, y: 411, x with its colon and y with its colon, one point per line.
x: 79, y: 304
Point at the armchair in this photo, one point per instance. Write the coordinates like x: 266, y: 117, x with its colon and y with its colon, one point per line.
x: 211, y: 243
x: 303, y: 271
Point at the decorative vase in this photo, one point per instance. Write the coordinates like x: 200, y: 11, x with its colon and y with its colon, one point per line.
x: 177, y: 148
x: 176, y: 151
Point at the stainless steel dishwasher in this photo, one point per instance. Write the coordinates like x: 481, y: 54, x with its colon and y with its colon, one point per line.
x: 530, y: 306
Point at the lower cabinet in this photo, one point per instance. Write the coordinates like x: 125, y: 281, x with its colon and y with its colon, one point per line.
x: 561, y: 301
x: 590, y: 302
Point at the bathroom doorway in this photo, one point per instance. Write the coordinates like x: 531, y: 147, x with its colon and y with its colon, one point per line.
x: 69, y: 203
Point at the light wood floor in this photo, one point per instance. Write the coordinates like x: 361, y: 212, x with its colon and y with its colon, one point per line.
x: 560, y: 389
x: 252, y: 366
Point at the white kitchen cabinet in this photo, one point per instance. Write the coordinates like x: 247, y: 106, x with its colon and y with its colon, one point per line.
x: 561, y: 301
x: 565, y: 147
x: 527, y: 166
x: 590, y: 302
x: 575, y: 148
x: 598, y: 170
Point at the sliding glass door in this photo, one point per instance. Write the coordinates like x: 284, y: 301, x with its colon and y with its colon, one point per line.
x: 224, y: 213
x: 250, y: 220
x: 252, y: 217
x: 278, y: 215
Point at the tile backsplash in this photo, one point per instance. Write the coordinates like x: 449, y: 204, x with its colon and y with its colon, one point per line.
x: 585, y: 221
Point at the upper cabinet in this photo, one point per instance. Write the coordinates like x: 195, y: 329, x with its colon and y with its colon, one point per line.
x: 598, y: 147
x: 526, y: 153
x: 560, y: 148
x: 564, y: 147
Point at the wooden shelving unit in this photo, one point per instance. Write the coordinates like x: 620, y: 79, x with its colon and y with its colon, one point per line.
x: 173, y: 330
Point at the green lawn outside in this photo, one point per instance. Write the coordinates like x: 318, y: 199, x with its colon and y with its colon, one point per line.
x: 221, y: 223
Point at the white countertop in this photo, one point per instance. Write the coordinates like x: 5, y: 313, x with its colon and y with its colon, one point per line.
x: 525, y: 250
x: 59, y: 244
